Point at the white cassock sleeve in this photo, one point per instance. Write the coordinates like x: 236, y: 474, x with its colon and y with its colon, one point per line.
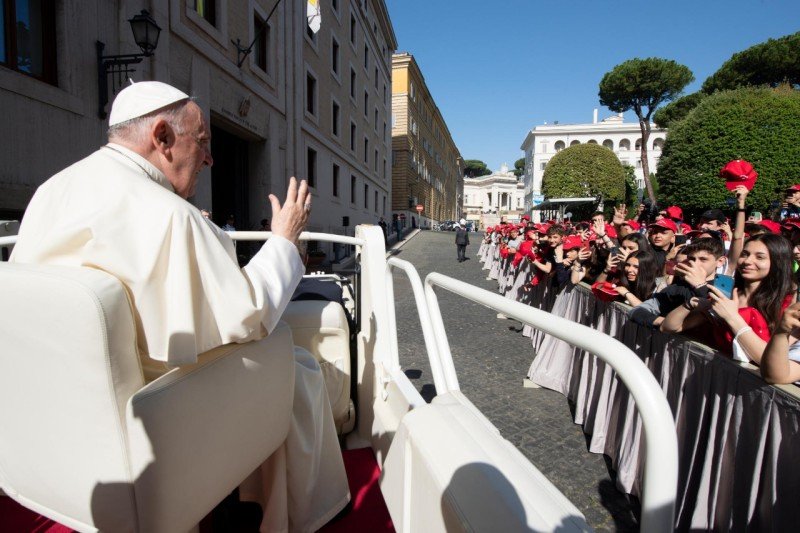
x: 274, y: 273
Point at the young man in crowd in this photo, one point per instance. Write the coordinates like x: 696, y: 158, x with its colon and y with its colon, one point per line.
x: 703, y: 257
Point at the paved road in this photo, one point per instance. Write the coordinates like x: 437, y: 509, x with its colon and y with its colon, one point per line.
x: 491, y: 359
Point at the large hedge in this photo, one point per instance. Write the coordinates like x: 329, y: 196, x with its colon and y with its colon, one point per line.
x: 584, y: 170
x: 759, y: 125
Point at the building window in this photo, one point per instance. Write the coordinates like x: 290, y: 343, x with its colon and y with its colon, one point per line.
x: 335, y: 55
x: 375, y: 203
x: 384, y: 95
x: 375, y: 115
x: 385, y: 167
x: 376, y: 79
x: 542, y: 165
x: 206, y: 9
x: 261, y: 47
x: 335, y: 119
x: 375, y: 162
x: 352, y: 29
x: 366, y: 150
x: 352, y: 137
x: 311, y: 94
x: 366, y: 58
x: 366, y: 103
x: 335, y: 5
x: 608, y: 143
x: 311, y: 167
x: 335, y: 181
x: 352, y: 83
x: 366, y: 196
x: 352, y: 189
x: 412, y: 92
x: 559, y: 146
x: 394, y: 158
x: 384, y: 205
x: 28, y: 38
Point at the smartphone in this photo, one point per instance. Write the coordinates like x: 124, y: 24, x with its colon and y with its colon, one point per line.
x: 615, y: 250
x: 669, y: 267
x: 757, y: 216
x: 724, y: 284
x: 680, y: 239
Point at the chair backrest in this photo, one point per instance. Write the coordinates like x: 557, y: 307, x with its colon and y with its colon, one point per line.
x: 62, y: 395
x: 321, y: 327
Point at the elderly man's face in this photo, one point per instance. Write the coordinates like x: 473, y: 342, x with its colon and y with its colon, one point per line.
x: 190, y: 153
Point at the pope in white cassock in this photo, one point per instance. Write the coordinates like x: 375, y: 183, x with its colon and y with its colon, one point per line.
x: 123, y: 210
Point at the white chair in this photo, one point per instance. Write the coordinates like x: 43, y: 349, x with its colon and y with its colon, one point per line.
x: 321, y: 327
x: 86, y: 442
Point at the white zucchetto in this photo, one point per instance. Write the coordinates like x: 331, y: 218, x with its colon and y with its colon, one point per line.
x: 139, y: 99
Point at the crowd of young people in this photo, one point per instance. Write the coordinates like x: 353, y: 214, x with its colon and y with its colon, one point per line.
x: 730, y: 283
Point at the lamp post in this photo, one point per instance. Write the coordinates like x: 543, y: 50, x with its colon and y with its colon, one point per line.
x: 145, y: 33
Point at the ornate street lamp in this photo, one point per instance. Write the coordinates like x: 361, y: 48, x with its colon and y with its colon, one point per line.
x: 145, y: 33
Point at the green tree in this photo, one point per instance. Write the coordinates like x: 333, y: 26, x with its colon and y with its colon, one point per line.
x: 631, y: 190
x: 772, y: 63
x: 475, y: 167
x: 675, y: 111
x: 642, y: 85
x: 519, y: 167
x: 760, y: 125
x: 583, y: 171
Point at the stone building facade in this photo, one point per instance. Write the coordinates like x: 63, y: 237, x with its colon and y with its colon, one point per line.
x: 489, y: 198
x: 427, y: 168
x: 287, y: 110
x: 623, y: 138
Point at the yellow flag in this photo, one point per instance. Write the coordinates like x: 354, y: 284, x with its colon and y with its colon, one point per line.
x: 314, y: 15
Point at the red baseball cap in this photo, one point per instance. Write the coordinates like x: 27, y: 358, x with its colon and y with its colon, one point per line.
x: 605, y: 291
x: 525, y: 217
x: 572, y: 241
x: 665, y: 223
x: 739, y: 172
x: 674, y: 212
x: 774, y: 227
x: 635, y: 226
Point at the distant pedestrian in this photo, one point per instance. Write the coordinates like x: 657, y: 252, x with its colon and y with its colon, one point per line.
x: 384, y: 229
x: 230, y: 224
x: 462, y: 240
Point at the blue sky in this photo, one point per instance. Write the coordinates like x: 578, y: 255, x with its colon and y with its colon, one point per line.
x: 498, y: 68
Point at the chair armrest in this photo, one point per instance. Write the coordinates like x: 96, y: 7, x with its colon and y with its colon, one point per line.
x: 198, y: 431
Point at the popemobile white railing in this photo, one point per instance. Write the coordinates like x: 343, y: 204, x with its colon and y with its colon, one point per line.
x: 428, y: 335
x: 254, y: 236
x: 661, y: 441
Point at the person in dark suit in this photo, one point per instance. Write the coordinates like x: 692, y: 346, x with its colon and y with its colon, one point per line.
x: 462, y: 240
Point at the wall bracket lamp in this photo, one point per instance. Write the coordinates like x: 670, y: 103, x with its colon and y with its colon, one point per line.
x: 145, y: 33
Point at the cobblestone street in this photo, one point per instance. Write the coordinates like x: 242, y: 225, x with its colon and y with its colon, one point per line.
x: 492, y: 358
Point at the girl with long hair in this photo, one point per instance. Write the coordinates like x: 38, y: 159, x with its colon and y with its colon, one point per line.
x: 744, y: 322
x: 638, y: 279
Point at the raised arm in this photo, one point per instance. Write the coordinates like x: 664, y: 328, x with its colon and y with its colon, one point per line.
x: 737, y: 241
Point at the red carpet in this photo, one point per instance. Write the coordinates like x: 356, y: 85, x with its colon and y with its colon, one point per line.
x: 14, y: 518
x: 368, y: 511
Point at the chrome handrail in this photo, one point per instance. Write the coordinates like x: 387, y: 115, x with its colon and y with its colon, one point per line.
x: 661, y: 449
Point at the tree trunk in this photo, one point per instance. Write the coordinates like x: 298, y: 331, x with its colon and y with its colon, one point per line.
x: 644, y: 124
